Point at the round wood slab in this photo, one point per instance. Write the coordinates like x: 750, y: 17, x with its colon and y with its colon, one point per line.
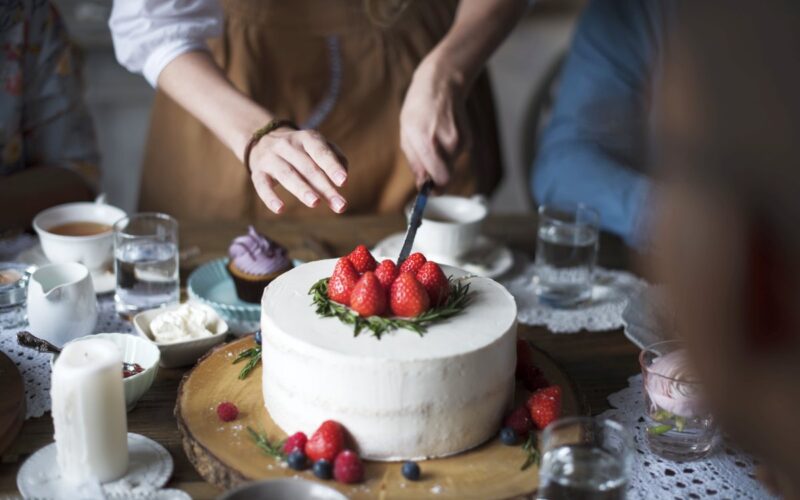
x: 12, y: 404
x: 224, y: 454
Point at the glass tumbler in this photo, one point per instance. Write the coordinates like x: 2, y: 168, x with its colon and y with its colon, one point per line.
x: 566, y: 253
x: 679, y: 427
x: 146, y: 262
x: 585, y: 457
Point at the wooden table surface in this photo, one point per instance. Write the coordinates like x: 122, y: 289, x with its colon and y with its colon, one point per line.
x: 599, y: 363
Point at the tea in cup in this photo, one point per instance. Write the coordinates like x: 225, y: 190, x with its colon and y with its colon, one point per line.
x: 451, y: 225
x: 78, y: 232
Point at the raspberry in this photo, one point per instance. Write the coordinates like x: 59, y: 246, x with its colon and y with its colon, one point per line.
x: 296, y: 441
x: 347, y: 468
x: 227, y: 411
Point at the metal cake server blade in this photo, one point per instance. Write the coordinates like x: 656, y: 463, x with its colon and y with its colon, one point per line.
x: 415, y: 220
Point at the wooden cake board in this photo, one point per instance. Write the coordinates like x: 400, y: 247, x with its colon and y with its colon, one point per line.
x: 12, y: 404
x: 225, y: 455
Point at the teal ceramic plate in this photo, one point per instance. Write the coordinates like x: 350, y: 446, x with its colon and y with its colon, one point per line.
x: 212, y: 285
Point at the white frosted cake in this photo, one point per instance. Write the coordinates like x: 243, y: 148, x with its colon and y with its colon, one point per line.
x: 403, y: 396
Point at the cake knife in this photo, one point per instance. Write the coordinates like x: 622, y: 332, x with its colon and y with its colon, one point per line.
x: 415, y: 220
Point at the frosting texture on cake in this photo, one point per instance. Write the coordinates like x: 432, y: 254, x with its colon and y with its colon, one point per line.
x: 404, y: 396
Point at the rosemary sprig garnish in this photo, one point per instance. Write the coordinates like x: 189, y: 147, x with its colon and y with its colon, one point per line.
x: 530, y: 447
x: 263, y: 442
x: 254, y: 356
x: 378, y: 325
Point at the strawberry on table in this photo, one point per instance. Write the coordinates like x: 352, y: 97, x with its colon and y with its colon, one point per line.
x: 348, y: 468
x: 326, y: 442
x: 369, y: 296
x: 520, y: 421
x: 431, y: 277
x: 342, y: 281
x: 413, y: 263
x: 408, y: 297
x: 386, y: 272
x: 362, y: 260
x: 545, y: 405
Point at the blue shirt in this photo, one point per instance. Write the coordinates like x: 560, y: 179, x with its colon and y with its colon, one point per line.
x: 594, y: 149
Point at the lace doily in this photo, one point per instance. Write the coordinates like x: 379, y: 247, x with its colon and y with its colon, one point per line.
x: 726, y: 473
x: 35, y: 366
x: 603, y: 312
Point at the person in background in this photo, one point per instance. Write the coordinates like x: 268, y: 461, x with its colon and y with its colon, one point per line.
x: 385, y: 93
x: 727, y: 219
x: 48, y: 153
x: 595, y: 148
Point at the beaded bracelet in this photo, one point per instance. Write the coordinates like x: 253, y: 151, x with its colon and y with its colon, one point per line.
x: 258, y: 134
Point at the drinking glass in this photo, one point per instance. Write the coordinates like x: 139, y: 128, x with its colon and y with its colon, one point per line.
x: 679, y: 426
x: 566, y: 253
x: 586, y: 458
x: 146, y: 262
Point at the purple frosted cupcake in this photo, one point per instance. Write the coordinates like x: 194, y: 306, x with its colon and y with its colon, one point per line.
x: 254, y: 262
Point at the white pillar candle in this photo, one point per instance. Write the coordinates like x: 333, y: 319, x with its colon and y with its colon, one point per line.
x: 91, y: 426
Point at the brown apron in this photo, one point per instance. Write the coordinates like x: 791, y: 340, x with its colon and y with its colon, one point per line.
x: 327, y: 64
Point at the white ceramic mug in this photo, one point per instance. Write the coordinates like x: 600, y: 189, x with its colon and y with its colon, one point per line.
x: 451, y: 225
x: 61, y: 303
x: 94, y: 251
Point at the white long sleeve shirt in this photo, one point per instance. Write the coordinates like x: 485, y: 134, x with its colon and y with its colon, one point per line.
x: 149, y: 34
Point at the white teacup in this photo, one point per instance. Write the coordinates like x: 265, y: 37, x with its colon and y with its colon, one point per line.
x: 451, y: 225
x: 93, y: 251
x: 61, y: 303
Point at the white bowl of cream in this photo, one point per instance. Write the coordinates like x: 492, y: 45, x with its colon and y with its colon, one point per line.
x: 183, y: 332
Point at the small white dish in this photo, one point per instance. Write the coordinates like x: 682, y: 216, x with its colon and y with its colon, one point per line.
x: 104, y: 280
x: 150, y: 468
x: 182, y: 352
x: 487, y: 258
x: 134, y: 350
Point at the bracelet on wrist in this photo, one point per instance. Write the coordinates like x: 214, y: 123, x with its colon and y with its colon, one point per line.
x: 258, y: 134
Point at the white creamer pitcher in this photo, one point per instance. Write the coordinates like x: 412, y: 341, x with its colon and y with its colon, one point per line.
x: 61, y: 303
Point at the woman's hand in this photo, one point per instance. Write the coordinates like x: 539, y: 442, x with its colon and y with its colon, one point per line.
x: 432, y: 121
x: 304, y: 163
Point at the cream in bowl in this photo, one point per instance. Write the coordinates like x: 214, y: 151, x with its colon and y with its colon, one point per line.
x: 182, y: 332
x: 78, y: 232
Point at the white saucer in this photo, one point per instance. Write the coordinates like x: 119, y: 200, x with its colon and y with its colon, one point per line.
x: 103, y: 279
x: 488, y: 258
x: 149, y: 469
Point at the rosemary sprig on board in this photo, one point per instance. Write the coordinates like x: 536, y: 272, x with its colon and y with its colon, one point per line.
x: 268, y: 447
x: 378, y: 325
x: 253, y: 355
x: 531, y: 449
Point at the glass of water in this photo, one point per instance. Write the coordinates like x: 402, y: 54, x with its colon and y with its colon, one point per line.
x: 566, y: 253
x: 679, y: 425
x: 146, y: 262
x: 585, y: 458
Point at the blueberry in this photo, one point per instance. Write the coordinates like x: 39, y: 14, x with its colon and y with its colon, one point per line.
x: 323, y: 469
x: 411, y: 470
x: 508, y: 436
x: 258, y: 337
x: 297, y: 460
